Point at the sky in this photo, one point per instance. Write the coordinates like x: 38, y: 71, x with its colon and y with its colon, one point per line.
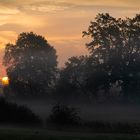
x: 61, y: 22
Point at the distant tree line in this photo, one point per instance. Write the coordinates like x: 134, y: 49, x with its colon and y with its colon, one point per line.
x: 113, y: 63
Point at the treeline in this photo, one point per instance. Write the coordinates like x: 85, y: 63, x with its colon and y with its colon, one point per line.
x: 110, y: 71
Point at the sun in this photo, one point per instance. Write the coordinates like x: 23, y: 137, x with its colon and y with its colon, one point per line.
x: 5, y: 81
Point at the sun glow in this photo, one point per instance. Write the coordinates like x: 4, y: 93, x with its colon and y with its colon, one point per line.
x: 5, y: 81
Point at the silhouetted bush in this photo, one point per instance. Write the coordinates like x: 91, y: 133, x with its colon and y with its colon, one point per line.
x: 64, y: 115
x: 12, y: 113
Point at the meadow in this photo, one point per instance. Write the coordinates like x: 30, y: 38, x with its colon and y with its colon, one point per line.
x: 7, y: 133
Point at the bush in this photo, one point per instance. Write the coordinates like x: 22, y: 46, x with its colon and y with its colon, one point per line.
x: 64, y: 115
x: 12, y: 113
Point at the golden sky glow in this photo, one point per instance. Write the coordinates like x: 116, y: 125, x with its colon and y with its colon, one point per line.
x: 60, y: 21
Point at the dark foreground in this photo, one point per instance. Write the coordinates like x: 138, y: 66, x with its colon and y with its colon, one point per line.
x: 43, y: 134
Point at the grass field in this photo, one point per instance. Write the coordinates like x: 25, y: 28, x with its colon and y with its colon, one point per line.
x: 42, y: 134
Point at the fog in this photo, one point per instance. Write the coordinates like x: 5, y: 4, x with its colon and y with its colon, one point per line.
x: 106, y: 112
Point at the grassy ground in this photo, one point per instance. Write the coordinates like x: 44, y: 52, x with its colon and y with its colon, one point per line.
x: 42, y: 134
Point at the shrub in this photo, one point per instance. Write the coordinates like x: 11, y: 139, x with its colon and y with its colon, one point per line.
x: 64, y: 115
x: 12, y: 113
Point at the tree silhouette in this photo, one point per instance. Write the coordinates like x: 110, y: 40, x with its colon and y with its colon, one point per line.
x: 15, y: 114
x: 115, y: 52
x: 72, y: 78
x: 31, y: 64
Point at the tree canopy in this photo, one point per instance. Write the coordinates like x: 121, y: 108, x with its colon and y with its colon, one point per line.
x: 31, y: 64
x: 113, y: 62
x: 115, y: 47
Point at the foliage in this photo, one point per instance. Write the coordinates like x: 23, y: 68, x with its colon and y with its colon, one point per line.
x: 114, y: 53
x: 64, y: 115
x: 71, y: 82
x: 30, y: 64
x: 14, y: 114
x: 114, y: 60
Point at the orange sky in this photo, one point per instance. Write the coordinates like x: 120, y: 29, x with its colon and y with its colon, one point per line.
x: 60, y: 21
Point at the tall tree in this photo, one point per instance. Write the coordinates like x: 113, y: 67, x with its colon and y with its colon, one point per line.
x: 115, y: 47
x: 31, y: 64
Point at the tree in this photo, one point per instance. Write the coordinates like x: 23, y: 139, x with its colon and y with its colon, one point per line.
x: 72, y: 80
x: 64, y: 115
x: 31, y: 64
x: 115, y: 50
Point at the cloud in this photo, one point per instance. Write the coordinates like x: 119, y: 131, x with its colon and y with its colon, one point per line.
x: 35, y: 5
x: 8, y: 11
x: 118, y: 3
x: 42, y: 8
x: 52, y: 5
